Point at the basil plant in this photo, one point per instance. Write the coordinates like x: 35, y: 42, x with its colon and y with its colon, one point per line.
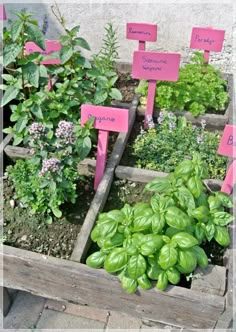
x: 160, y: 240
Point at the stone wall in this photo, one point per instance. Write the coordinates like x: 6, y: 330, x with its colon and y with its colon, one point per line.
x: 175, y: 21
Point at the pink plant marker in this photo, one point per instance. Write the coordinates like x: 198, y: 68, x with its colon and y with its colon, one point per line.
x: 207, y: 39
x: 142, y: 32
x: 227, y: 148
x: 52, y: 46
x: 106, y: 119
x: 3, y: 15
x: 154, y: 66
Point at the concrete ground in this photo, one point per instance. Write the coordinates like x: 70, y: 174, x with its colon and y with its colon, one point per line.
x: 33, y: 313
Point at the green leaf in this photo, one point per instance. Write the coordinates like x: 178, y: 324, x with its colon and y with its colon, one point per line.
x: 225, y: 199
x: 173, y: 275
x: 115, y: 241
x: 10, y: 94
x: 16, y: 29
x: 100, y: 97
x: 31, y: 73
x: 144, y: 282
x: 115, y: 94
x: 195, y: 185
x: 143, y: 220
x: 96, y: 260
x: 222, y: 236
x: 162, y: 282
x: 214, y: 202
x: 151, y: 244
x: 187, y: 261
x: 17, y: 140
x: 81, y: 42
x: 184, y: 168
x: 159, y: 185
x: 10, y: 52
x: 222, y: 218
x: 21, y: 124
x: 201, y: 213
x: 57, y: 213
x: 199, y: 232
x: 176, y: 218
x: 116, y: 260
x: 36, y: 111
x: 168, y: 257
x: 35, y: 35
x: 128, y: 284
x: 210, y: 230
x: 136, y: 266
x: 8, y: 130
x: 108, y: 228
x: 65, y: 54
x: 185, y: 198
x: 184, y: 240
x: 8, y: 77
x: 83, y: 146
x: 116, y: 215
x: 202, y: 258
x: 95, y: 234
x: 43, y: 71
x: 153, y: 269
x: 158, y: 223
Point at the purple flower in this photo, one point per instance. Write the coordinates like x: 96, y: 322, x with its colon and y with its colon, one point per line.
x: 150, y: 122
x: 50, y: 165
x: 65, y: 132
x: 170, y: 115
x: 199, y: 139
x: 37, y: 130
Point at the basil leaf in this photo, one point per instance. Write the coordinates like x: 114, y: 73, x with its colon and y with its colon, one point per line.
x: 184, y: 168
x: 151, y: 244
x: 185, y: 198
x: 153, y: 269
x: 202, y: 200
x: 171, y: 231
x: 128, y: 284
x: 222, y: 218
x: 158, y: 223
x: 162, y: 282
x: 201, y: 213
x: 177, y: 218
x: 116, y: 260
x: 199, y: 232
x: 168, y: 256
x: 136, y: 266
x: 130, y: 247
x: 173, y: 275
x: 140, y: 207
x: 96, y: 260
x: 159, y: 185
x: 225, y: 199
x: 214, y: 202
x: 202, y: 258
x: 95, y: 234
x: 115, y: 241
x: 187, y: 261
x: 116, y: 215
x: 210, y: 230
x: 143, y: 221
x: 222, y: 236
x: 127, y: 210
x: 184, y: 240
x: 108, y: 228
x: 195, y: 185
x: 144, y: 282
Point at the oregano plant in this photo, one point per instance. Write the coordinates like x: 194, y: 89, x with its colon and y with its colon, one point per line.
x: 161, y: 240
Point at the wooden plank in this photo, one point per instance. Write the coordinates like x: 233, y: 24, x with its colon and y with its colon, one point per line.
x: 5, y: 142
x: 144, y: 176
x: 75, y: 282
x: 17, y: 152
x: 83, y: 240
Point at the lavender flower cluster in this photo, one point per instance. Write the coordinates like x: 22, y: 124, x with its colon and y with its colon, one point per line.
x: 37, y: 130
x: 65, y: 132
x: 50, y: 165
x: 45, y: 25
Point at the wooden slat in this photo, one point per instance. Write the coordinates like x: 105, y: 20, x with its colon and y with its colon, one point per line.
x: 75, y: 282
x: 17, y: 152
x: 4, y: 143
x: 83, y: 240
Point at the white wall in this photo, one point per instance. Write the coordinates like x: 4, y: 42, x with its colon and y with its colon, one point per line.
x: 175, y: 21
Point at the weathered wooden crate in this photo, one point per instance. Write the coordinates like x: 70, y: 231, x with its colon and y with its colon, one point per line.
x: 75, y: 282
x: 213, y: 121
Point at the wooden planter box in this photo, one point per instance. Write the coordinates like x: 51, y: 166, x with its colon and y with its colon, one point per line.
x: 75, y: 282
x: 213, y: 121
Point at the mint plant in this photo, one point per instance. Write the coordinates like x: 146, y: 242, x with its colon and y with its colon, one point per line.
x: 160, y: 240
x: 199, y: 89
x: 48, y: 179
x: 172, y: 140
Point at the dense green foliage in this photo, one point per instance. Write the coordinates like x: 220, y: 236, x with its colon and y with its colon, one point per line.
x: 200, y: 88
x: 161, y: 240
x: 174, y: 139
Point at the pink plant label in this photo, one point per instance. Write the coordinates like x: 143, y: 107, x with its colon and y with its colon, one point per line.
x: 156, y: 66
x: 141, y: 31
x: 227, y: 145
x: 52, y: 46
x: 106, y: 119
x: 207, y: 39
x: 3, y: 15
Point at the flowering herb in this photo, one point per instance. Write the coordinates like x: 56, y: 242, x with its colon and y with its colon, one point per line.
x: 172, y: 140
x: 45, y: 24
x: 48, y: 179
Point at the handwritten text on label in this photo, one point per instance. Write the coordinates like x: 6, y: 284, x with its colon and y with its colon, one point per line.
x: 141, y: 31
x: 227, y: 145
x: 156, y: 65
x: 207, y: 39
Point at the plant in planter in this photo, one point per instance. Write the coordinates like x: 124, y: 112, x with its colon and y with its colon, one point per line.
x: 48, y: 179
x: 161, y: 240
x: 172, y: 140
x: 200, y: 89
